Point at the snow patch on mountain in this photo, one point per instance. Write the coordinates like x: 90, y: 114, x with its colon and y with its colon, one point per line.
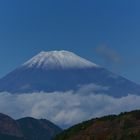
x: 58, y: 60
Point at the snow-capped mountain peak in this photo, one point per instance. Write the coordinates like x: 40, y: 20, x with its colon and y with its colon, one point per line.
x: 58, y: 60
x: 65, y: 71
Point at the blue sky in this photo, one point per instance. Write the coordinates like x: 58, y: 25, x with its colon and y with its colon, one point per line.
x: 106, y: 32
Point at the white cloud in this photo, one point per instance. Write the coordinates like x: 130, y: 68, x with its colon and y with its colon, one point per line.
x: 65, y: 108
x: 90, y: 88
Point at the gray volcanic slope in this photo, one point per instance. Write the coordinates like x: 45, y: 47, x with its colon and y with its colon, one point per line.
x: 63, y: 71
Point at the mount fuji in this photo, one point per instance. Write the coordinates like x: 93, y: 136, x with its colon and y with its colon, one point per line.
x: 63, y: 71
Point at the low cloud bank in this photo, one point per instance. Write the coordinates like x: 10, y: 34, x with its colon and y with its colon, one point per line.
x: 65, y: 108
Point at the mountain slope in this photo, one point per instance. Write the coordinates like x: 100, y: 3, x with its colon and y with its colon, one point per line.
x: 9, y: 137
x: 125, y: 126
x: 45, y: 71
x: 34, y: 129
x: 9, y: 126
x: 26, y: 129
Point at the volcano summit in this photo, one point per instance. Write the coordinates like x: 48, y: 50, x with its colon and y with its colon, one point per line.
x: 62, y: 71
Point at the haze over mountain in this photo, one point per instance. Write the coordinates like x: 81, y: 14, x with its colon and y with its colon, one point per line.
x: 63, y: 71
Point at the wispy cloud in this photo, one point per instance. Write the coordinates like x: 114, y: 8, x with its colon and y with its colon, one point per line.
x: 65, y: 108
x: 109, y: 54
